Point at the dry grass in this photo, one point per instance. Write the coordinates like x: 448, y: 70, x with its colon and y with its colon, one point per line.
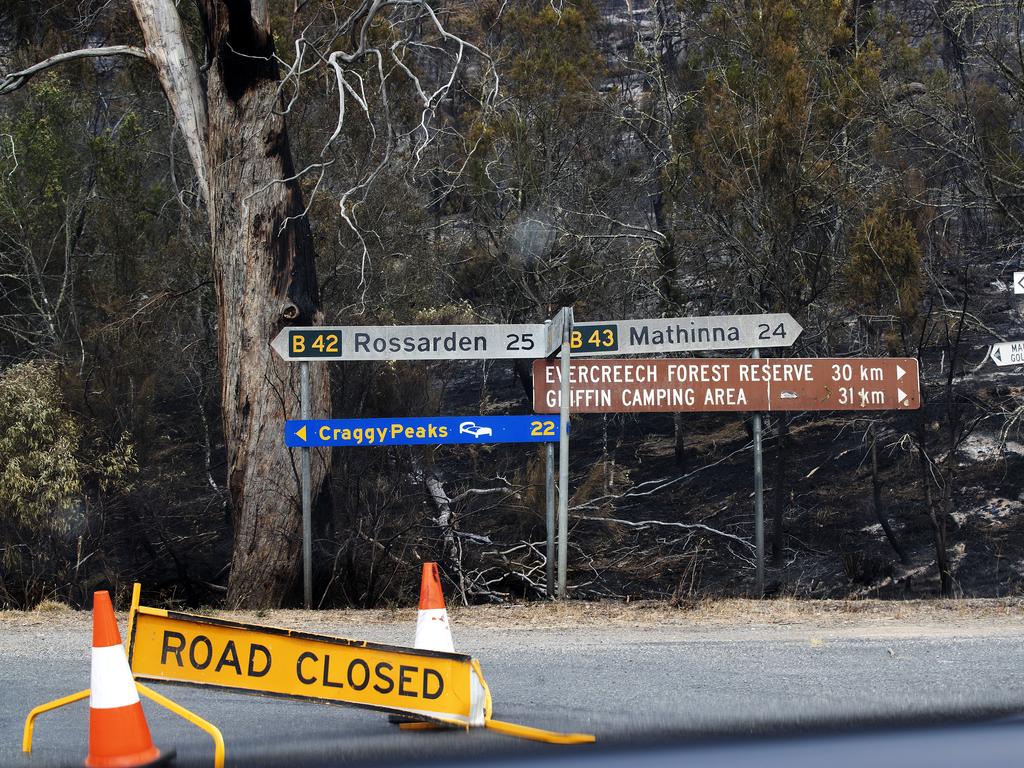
x: 708, y: 614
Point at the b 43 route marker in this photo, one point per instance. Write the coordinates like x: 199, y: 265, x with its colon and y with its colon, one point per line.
x: 730, y: 384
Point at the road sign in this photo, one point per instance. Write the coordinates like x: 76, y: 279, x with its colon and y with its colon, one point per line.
x: 1018, y: 282
x: 1007, y: 353
x: 412, y: 342
x: 710, y: 384
x: 438, y: 430
x: 683, y: 334
x: 168, y: 646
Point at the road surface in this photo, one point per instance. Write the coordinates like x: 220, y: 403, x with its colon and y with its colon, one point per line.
x: 629, y: 685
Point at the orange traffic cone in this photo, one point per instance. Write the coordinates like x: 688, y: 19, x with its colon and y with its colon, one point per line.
x: 118, y: 734
x: 432, y: 630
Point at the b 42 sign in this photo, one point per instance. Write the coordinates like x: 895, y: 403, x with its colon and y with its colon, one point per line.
x: 413, y: 342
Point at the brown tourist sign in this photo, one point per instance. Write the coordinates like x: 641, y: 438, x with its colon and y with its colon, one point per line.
x: 730, y: 384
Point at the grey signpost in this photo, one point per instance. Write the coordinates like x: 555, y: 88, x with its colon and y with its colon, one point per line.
x: 414, y: 342
x: 549, y: 490
x: 563, y: 454
x: 535, y: 340
x: 307, y: 512
x: 758, y: 502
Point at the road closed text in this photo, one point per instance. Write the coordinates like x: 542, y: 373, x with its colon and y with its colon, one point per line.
x: 264, y: 660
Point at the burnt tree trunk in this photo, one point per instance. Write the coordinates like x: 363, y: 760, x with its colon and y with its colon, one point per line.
x: 265, y: 279
x: 876, y: 498
x: 934, y: 516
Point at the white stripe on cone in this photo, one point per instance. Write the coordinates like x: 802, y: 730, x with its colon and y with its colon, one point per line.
x: 111, y: 684
x: 433, y: 632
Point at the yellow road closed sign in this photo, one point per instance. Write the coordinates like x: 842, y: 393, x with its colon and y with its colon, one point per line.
x: 168, y: 646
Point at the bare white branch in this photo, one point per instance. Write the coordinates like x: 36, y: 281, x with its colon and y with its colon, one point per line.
x: 12, y: 81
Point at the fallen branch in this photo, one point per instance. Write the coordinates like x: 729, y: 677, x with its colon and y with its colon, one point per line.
x: 665, y: 524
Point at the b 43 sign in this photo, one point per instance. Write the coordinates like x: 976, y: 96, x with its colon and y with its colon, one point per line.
x: 684, y: 334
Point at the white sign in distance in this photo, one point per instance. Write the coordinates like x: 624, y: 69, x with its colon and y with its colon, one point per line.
x: 412, y: 342
x: 684, y: 334
x: 1007, y: 353
x: 1018, y: 282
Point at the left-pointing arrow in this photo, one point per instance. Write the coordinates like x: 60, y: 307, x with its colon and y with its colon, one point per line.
x: 301, y: 433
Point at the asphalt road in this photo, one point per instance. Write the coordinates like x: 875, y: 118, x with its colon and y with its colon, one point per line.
x: 628, y: 685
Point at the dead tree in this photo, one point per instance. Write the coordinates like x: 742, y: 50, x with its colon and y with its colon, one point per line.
x: 232, y: 113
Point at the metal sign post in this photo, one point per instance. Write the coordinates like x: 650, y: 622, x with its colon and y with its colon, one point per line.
x: 307, y: 512
x: 563, y: 455
x: 552, y: 339
x: 758, y: 503
x: 549, y: 517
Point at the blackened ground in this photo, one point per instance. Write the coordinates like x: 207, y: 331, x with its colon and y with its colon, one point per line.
x: 623, y: 468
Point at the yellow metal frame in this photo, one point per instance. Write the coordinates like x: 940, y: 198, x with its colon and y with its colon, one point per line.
x: 192, y: 717
x: 509, y: 729
x: 30, y: 721
x: 163, y: 701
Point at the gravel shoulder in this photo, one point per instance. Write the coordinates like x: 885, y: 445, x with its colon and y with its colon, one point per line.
x: 736, y: 620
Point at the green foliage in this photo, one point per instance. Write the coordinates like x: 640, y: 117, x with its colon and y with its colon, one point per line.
x: 553, y: 55
x: 40, y: 473
x: 46, y: 461
x: 884, y: 270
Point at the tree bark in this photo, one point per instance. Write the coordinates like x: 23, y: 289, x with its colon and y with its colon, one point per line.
x: 876, y: 497
x: 936, y: 519
x: 265, y: 278
x: 264, y: 272
x: 168, y: 51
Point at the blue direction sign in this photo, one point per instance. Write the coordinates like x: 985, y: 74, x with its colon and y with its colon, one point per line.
x: 438, y: 430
